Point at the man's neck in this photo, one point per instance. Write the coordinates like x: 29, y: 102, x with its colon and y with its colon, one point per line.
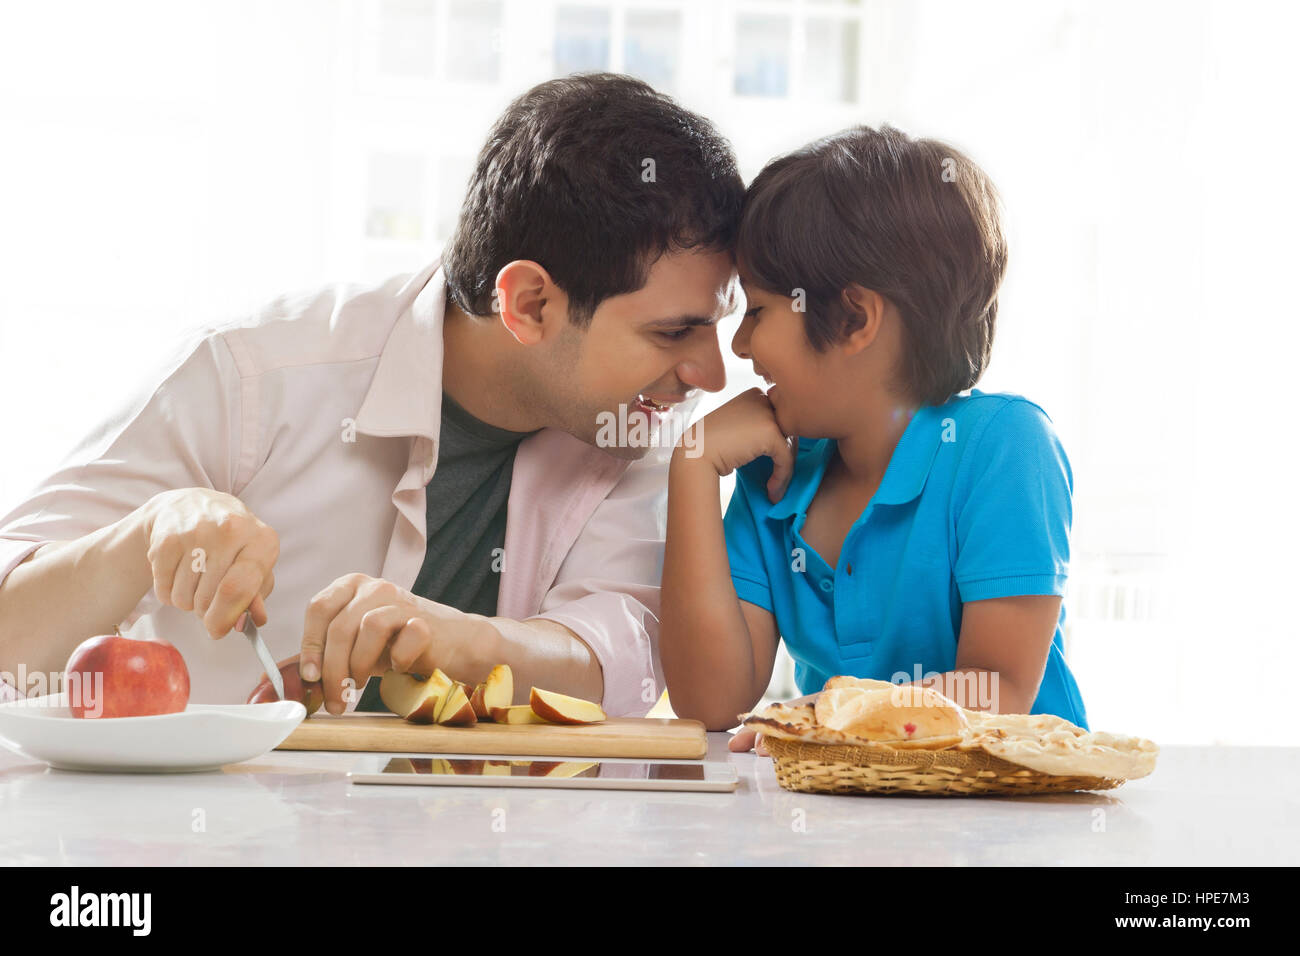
x: 477, y: 371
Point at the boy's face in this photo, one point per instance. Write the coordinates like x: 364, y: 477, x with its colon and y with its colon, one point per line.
x: 771, y: 335
x: 657, y: 344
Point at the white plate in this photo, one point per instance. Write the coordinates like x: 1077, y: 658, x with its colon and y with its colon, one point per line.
x: 201, y: 737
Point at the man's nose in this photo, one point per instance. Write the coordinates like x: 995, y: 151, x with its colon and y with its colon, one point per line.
x: 704, y: 369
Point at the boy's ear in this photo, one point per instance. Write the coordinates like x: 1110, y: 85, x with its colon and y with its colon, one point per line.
x: 526, y: 299
x: 867, y: 306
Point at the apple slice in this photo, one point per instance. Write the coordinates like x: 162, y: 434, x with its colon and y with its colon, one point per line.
x: 561, y: 709
x: 519, y: 714
x: 498, y: 688
x: 466, y: 767
x: 417, y: 700
x: 476, y: 702
x: 564, y: 768
x: 455, y: 707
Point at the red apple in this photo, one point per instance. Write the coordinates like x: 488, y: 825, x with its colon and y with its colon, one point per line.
x: 115, y: 676
x: 311, y: 696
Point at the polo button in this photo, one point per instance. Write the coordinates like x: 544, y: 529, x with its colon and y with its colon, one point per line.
x: 827, y: 584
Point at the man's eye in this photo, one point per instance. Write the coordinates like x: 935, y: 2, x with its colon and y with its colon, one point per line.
x: 676, y: 334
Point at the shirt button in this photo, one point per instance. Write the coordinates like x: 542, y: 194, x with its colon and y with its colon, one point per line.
x: 827, y: 584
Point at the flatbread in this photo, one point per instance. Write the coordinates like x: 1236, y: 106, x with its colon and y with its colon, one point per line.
x: 1042, y: 742
x: 1066, y: 753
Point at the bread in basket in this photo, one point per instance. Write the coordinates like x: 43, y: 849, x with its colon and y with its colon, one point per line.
x: 868, y: 736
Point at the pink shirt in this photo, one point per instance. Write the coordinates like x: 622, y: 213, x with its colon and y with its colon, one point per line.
x: 321, y: 413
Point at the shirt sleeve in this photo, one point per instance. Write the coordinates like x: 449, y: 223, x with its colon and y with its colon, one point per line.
x: 182, y: 431
x: 1013, y: 508
x: 607, y: 588
x: 748, y: 573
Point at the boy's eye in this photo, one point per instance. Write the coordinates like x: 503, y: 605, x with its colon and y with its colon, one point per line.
x: 676, y: 334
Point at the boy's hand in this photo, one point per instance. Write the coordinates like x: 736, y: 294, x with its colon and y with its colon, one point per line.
x: 744, y: 429
x: 747, y: 739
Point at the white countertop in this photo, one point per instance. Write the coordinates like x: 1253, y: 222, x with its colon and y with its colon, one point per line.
x: 1206, y: 806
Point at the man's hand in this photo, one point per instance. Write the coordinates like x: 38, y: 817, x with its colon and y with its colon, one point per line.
x: 209, y: 554
x: 360, y: 626
x: 744, y: 429
x: 747, y: 739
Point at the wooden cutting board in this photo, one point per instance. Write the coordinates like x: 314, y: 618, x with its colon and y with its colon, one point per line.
x: 616, y: 737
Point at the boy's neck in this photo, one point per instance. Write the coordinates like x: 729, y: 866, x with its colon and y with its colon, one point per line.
x: 865, y: 452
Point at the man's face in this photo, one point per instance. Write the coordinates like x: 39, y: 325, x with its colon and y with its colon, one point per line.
x: 644, y: 351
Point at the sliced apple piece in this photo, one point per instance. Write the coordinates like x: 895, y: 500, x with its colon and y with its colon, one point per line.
x: 416, y: 700
x: 476, y: 702
x: 466, y: 767
x: 456, y: 708
x: 562, y: 709
x: 519, y: 714
x: 498, y: 689
x: 565, y: 768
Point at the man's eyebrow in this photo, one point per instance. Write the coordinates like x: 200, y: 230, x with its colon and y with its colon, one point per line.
x: 680, y: 320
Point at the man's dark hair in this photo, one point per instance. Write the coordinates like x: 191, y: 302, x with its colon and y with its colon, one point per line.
x: 913, y: 219
x: 563, y: 181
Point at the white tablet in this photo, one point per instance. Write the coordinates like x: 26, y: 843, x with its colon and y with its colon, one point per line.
x: 461, y: 771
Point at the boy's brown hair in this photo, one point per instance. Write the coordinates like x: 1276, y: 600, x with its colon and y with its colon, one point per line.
x: 912, y: 219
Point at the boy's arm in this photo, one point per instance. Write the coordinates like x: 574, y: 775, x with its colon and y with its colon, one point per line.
x: 1001, y: 654
x: 717, y: 651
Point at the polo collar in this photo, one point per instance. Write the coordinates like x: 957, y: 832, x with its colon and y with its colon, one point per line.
x: 909, y: 466
x: 904, y: 480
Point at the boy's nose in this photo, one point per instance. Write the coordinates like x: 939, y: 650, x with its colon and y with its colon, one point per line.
x: 740, y: 341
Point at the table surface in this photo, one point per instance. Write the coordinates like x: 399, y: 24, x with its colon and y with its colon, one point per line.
x: 1203, y: 806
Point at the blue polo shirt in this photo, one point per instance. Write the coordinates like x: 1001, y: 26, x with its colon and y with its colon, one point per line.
x: 975, y: 504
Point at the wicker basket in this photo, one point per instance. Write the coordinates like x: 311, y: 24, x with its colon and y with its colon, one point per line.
x: 826, y: 768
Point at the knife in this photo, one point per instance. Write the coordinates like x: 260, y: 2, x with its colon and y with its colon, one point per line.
x: 263, y: 655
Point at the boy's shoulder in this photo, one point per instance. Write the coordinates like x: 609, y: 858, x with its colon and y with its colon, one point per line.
x: 978, y: 419
x: 999, y: 430
x: 976, y: 407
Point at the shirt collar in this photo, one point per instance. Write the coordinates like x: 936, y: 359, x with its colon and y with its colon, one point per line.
x: 405, y: 394
x: 904, y: 480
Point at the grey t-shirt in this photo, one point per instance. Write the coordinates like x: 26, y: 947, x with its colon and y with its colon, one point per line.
x: 465, y: 517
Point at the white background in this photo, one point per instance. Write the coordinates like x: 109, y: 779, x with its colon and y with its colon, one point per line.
x: 163, y: 164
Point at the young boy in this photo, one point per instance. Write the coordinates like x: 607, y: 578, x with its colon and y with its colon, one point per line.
x: 884, y: 523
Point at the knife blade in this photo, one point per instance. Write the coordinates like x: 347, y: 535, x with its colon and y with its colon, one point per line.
x: 263, y: 655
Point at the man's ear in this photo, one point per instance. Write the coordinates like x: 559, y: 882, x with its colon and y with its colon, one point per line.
x: 525, y: 299
x: 868, y: 307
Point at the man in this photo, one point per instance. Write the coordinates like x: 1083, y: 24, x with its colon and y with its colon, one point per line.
x: 420, y: 474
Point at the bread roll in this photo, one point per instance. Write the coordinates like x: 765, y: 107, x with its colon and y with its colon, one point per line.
x: 890, y: 714
x: 866, y: 683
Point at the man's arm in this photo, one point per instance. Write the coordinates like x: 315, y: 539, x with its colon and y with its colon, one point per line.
x: 549, y: 655
x: 40, y: 626
x: 594, y: 636
x: 89, y: 519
